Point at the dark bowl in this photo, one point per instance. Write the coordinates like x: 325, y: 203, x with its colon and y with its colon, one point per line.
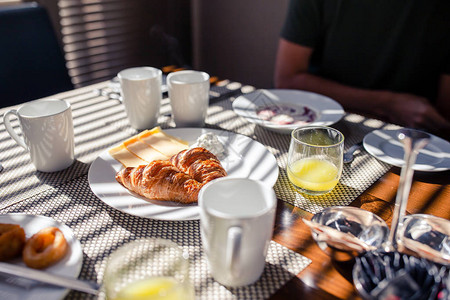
x: 394, y: 275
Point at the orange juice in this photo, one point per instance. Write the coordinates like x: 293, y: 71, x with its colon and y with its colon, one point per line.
x: 155, y: 288
x: 313, y: 174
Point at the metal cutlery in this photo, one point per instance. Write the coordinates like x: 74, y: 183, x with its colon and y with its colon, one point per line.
x: 89, y: 287
x: 348, y: 155
x: 18, y: 281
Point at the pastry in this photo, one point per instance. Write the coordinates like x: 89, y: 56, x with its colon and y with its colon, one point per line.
x: 199, y: 163
x: 163, y: 180
x: 160, y: 180
x: 12, y: 240
x: 45, y: 248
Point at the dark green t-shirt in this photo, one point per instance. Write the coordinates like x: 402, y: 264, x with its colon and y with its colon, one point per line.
x: 397, y: 45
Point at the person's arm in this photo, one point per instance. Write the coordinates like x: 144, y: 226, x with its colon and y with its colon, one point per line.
x: 291, y: 72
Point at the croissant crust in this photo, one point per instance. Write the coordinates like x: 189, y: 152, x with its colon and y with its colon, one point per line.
x: 179, y: 179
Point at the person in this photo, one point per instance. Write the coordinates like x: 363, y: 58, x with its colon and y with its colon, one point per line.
x: 382, y: 58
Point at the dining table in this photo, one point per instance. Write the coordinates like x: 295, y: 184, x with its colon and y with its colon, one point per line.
x: 296, y: 268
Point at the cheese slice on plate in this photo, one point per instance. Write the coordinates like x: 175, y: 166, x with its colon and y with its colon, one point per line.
x: 144, y: 151
x: 146, y: 147
x: 125, y: 157
x: 162, y: 141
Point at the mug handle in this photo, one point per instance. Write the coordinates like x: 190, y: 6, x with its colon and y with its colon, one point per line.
x: 10, y: 129
x: 233, y: 250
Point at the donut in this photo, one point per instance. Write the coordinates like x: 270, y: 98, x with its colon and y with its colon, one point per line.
x: 12, y: 240
x: 45, y: 248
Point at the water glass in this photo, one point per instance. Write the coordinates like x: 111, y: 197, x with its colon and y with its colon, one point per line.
x: 315, y: 159
x: 148, y: 269
x: 344, y: 232
x: 427, y: 236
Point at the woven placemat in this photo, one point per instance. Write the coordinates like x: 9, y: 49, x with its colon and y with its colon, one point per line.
x: 92, y: 117
x: 356, y: 177
x: 102, y: 229
x: 100, y: 122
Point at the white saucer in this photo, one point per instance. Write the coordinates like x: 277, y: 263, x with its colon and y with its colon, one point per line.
x: 384, y: 145
x: 327, y: 111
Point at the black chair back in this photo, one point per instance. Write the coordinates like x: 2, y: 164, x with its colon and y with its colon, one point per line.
x: 32, y: 64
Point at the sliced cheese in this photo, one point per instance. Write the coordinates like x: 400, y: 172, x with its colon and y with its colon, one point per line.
x: 125, y: 157
x: 174, y: 138
x: 167, y: 136
x: 163, y: 142
x: 143, y: 150
x: 133, y: 138
x: 146, y: 147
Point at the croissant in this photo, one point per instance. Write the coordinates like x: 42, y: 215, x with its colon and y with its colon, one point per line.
x: 163, y: 180
x: 199, y: 163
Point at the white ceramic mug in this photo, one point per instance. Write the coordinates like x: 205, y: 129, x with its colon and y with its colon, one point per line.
x: 47, y: 129
x: 141, y: 94
x: 189, y: 97
x: 236, y: 223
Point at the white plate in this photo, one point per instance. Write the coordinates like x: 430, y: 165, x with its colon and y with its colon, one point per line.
x: 70, y: 265
x: 384, y: 145
x: 246, y: 158
x: 326, y: 109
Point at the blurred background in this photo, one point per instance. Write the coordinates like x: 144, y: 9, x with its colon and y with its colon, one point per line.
x: 230, y: 39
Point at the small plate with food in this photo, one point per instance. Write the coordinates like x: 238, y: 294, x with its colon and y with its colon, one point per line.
x: 157, y: 174
x: 42, y: 243
x: 283, y: 110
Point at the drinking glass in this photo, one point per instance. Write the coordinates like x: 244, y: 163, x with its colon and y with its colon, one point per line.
x: 344, y: 232
x: 148, y: 268
x: 315, y: 159
x: 427, y: 236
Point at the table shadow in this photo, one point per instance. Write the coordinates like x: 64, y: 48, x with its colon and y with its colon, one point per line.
x: 87, y: 261
x: 55, y: 179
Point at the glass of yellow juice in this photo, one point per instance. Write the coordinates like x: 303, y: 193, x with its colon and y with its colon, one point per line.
x: 150, y: 269
x: 315, y: 159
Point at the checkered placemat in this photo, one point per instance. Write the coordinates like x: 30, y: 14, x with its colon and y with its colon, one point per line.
x: 356, y: 177
x: 94, y: 116
x: 100, y: 122
x: 102, y: 229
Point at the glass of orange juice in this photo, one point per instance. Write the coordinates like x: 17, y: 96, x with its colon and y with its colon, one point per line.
x: 150, y: 269
x: 315, y: 159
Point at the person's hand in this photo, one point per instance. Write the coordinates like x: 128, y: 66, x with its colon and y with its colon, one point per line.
x: 415, y: 112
